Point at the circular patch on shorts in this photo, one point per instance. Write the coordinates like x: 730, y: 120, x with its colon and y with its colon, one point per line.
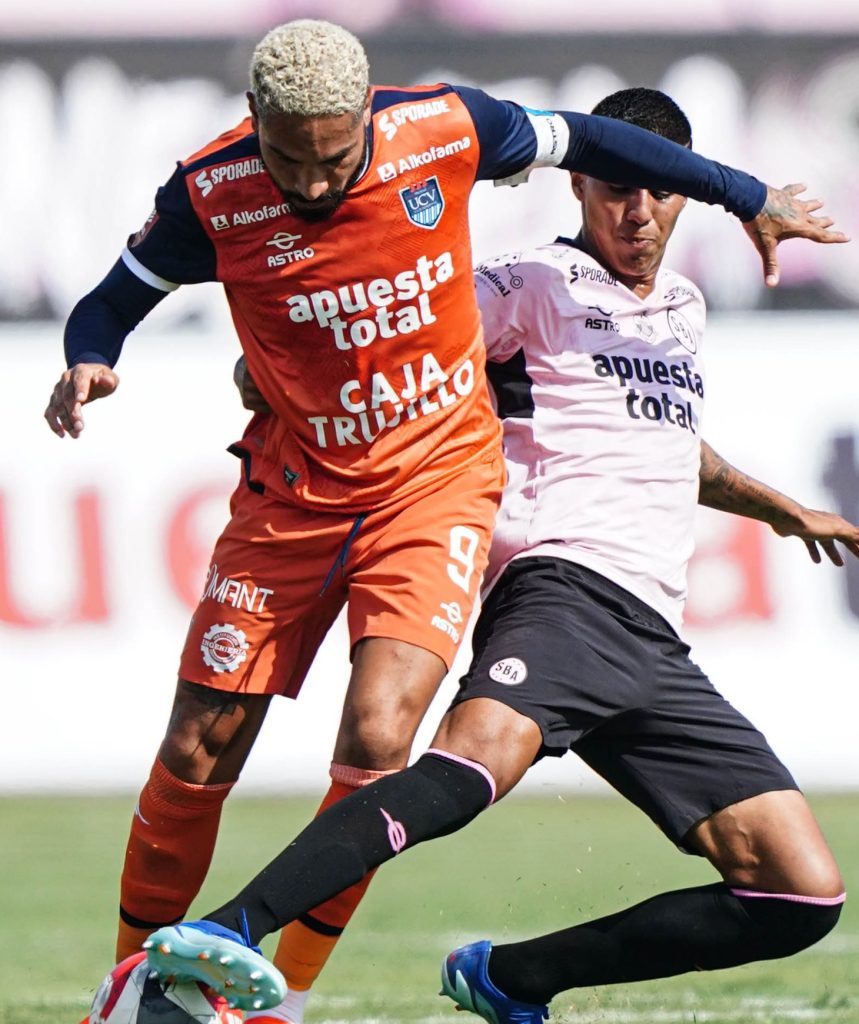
x: 509, y: 671
x: 224, y: 647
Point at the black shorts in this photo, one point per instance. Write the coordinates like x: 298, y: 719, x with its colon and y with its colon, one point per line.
x: 605, y: 676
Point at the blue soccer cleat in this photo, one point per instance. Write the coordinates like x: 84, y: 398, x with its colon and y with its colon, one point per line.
x: 465, y: 980
x: 218, y: 957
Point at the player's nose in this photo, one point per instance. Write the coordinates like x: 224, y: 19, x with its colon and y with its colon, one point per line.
x: 638, y: 207
x: 311, y: 184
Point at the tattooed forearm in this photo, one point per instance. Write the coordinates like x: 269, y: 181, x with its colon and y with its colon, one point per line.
x: 728, y: 489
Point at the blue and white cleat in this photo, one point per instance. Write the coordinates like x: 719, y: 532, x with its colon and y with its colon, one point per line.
x: 465, y: 980
x: 217, y: 957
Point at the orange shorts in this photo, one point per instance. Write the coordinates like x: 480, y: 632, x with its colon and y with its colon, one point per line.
x: 280, y: 576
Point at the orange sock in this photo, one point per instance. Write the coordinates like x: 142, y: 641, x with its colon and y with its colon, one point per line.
x: 170, y: 847
x: 306, y: 944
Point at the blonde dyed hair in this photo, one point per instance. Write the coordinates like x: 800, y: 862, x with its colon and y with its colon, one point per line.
x: 310, y: 69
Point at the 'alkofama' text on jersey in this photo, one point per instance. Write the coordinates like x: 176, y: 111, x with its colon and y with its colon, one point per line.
x: 361, y: 331
x: 601, y: 394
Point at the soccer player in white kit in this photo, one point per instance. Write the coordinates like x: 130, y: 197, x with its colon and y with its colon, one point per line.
x: 596, y: 355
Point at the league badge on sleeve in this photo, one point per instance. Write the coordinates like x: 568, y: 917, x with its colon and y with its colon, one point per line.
x: 423, y: 202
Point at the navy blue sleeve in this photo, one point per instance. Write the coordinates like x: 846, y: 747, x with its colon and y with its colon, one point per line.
x: 103, y: 319
x: 507, y: 140
x: 627, y: 155
x: 172, y: 244
x: 608, y: 149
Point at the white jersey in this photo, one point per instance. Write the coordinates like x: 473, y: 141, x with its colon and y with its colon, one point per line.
x: 601, y: 394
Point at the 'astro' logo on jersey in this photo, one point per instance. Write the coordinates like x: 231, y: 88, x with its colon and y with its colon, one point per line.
x: 284, y: 242
x: 423, y: 202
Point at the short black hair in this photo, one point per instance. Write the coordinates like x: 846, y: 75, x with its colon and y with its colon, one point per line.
x: 650, y: 109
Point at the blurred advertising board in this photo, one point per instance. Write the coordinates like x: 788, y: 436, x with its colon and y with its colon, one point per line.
x: 94, y: 125
x: 105, y: 542
x: 164, y: 18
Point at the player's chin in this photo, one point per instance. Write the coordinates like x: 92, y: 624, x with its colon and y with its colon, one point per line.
x: 317, y: 210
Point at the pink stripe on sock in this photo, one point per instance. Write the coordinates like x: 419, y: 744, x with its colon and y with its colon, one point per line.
x: 471, y: 764
x: 349, y: 776
x: 819, y: 901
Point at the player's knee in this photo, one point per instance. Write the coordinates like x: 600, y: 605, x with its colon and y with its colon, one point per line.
x: 810, y: 872
x: 787, y: 924
x: 380, y: 741
x: 493, y: 734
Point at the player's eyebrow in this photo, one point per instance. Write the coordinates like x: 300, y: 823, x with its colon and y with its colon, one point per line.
x: 328, y: 159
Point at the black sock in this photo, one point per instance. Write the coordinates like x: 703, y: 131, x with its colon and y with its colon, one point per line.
x: 432, y: 798
x: 704, y: 928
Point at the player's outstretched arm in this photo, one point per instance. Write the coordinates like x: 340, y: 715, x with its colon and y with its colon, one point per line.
x: 785, y: 215
x: 82, y: 383
x: 94, y: 335
x: 728, y: 489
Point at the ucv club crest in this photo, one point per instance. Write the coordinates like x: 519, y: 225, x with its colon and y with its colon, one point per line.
x: 424, y: 202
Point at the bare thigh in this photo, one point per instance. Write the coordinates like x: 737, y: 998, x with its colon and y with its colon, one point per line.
x: 770, y: 842
x: 211, y: 732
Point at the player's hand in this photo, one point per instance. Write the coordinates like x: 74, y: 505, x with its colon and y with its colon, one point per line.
x: 785, y: 216
x: 251, y: 396
x: 824, y: 529
x: 84, y: 382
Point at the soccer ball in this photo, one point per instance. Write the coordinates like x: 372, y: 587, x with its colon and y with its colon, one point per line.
x: 129, y: 996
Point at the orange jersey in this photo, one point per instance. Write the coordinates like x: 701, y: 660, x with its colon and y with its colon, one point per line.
x: 362, y: 331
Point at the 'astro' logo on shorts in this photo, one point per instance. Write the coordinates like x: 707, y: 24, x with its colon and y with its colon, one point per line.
x: 509, y: 671
x: 423, y: 202
x: 224, y: 647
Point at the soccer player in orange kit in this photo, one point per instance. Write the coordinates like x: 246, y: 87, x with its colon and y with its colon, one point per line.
x: 336, y: 218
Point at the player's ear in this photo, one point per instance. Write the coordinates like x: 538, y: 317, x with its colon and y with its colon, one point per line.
x: 576, y: 180
x: 368, y: 107
x: 252, y: 106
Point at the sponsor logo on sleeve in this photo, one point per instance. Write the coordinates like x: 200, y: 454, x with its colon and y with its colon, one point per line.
x: 392, y: 120
x: 151, y: 221
x: 220, y: 222
x: 495, y: 277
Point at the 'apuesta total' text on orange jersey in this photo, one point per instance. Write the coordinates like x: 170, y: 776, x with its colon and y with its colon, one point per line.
x: 361, y: 331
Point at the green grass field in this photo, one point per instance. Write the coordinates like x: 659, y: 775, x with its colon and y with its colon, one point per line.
x: 528, y: 865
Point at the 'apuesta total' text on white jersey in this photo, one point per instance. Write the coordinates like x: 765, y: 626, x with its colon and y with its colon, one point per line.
x: 601, y: 394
